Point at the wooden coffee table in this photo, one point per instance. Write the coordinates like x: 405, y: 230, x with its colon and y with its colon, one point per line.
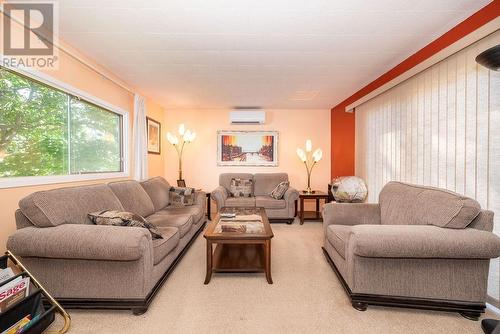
x: 239, y: 252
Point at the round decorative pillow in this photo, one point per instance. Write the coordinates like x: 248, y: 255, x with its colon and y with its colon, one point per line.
x: 349, y: 189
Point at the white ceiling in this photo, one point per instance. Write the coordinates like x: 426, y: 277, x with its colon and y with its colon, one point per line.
x: 272, y: 54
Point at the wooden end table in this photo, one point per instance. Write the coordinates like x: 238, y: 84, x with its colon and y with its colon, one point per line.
x: 311, y: 215
x: 239, y: 252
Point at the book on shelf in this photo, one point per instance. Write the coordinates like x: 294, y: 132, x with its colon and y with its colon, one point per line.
x: 14, y: 291
x: 18, y: 327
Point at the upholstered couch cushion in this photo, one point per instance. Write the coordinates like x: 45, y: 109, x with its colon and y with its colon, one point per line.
x: 240, y: 201
x: 162, y: 247
x: 268, y: 202
x: 158, y: 190
x: 411, y: 241
x: 133, y: 197
x: 181, y: 221
x: 406, y: 204
x: 68, y: 205
x: 81, y: 241
x: 264, y: 183
x: 338, y: 236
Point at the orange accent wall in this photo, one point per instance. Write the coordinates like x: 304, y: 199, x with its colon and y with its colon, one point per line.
x: 342, y: 142
x: 343, y: 124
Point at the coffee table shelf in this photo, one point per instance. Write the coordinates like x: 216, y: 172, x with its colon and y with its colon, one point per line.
x: 235, y: 258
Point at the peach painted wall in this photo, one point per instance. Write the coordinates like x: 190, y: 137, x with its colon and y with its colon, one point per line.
x: 74, y: 73
x: 200, y: 168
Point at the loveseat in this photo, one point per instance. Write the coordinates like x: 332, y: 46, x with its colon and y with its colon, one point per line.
x: 419, y: 247
x: 263, y: 183
x: 93, y: 266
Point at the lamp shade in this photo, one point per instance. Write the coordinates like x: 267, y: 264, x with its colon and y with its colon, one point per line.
x: 317, y: 155
x: 170, y: 138
x: 308, y: 145
x: 301, y: 154
x: 187, y: 136
x: 182, y: 129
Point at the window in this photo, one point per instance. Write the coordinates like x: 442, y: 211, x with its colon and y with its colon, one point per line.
x: 46, y: 132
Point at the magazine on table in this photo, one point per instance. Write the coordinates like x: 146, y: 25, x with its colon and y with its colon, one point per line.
x: 18, y: 327
x: 242, y: 218
x: 14, y: 291
x: 5, y: 274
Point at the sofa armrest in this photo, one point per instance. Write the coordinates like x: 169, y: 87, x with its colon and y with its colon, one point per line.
x: 351, y: 214
x: 291, y: 195
x: 219, y: 195
x: 78, y: 241
x: 423, y: 241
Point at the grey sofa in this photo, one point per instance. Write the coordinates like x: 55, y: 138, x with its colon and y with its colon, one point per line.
x: 419, y: 247
x: 263, y: 183
x: 89, y: 266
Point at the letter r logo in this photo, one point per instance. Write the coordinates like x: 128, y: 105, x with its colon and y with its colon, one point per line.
x: 28, y: 29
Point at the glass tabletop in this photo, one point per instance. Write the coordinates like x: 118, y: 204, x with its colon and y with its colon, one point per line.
x: 240, y: 220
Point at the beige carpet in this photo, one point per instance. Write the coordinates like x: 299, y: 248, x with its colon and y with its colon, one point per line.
x: 306, y: 297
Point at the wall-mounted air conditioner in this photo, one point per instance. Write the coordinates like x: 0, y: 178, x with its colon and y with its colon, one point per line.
x: 247, y: 117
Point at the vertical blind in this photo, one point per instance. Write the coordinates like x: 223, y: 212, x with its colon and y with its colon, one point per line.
x: 440, y: 127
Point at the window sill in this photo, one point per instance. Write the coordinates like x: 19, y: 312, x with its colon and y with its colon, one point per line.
x: 27, y: 181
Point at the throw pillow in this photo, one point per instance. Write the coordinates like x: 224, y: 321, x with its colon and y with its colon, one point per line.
x: 241, y: 188
x: 280, y: 190
x: 180, y: 196
x: 119, y: 218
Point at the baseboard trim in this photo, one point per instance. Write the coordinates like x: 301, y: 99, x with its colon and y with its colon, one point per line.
x: 361, y: 301
x: 137, y: 305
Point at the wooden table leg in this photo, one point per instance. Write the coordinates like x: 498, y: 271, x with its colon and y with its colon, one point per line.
x: 209, y: 207
x: 209, y: 262
x: 267, y: 255
x: 301, y: 211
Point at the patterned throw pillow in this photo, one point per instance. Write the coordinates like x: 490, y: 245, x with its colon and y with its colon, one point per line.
x: 280, y: 190
x: 241, y: 188
x: 180, y: 196
x: 119, y: 218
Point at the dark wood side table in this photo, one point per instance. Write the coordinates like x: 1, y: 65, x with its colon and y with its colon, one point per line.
x: 311, y: 215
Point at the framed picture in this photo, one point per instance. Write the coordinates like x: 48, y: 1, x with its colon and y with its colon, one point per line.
x: 181, y: 183
x: 154, y: 136
x: 247, y: 148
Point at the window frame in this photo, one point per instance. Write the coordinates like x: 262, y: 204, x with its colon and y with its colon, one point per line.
x: 24, y: 181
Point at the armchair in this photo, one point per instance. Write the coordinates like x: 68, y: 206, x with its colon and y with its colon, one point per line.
x: 419, y: 247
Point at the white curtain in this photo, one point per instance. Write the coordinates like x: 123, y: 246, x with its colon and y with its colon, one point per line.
x: 140, y: 139
x: 440, y: 128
